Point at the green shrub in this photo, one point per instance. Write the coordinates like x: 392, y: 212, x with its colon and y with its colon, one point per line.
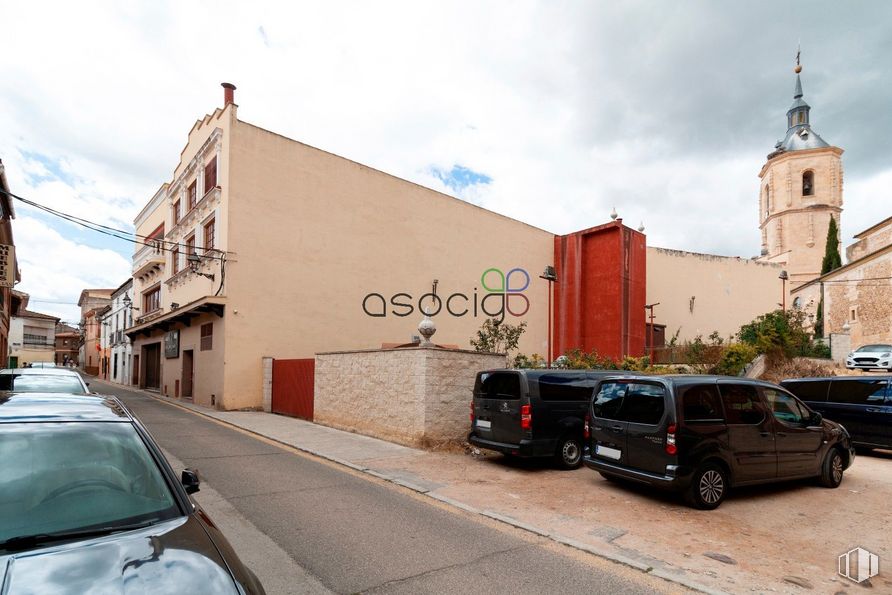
x: 734, y: 359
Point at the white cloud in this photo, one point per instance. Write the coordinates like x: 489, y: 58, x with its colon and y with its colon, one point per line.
x: 664, y: 110
x: 55, y: 269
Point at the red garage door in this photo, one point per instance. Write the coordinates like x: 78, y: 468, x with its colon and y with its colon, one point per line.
x: 293, y: 387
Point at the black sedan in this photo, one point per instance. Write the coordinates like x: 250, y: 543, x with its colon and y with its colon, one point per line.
x: 89, y: 504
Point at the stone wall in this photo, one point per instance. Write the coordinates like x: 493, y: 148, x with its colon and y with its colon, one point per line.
x: 413, y: 396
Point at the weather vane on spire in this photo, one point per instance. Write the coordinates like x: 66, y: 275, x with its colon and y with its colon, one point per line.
x: 798, y: 68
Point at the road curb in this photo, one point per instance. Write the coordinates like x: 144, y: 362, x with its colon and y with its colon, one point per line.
x: 555, y: 537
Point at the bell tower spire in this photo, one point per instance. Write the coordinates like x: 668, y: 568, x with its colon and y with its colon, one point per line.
x: 800, y: 190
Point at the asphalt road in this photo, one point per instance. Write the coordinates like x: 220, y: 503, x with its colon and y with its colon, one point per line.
x: 311, y: 525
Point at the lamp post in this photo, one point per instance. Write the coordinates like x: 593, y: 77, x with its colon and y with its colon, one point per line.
x: 783, y: 277
x: 550, y: 276
x: 651, y: 333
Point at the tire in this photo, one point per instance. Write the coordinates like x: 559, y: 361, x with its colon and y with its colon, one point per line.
x: 832, y: 469
x: 708, y: 488
x: 569, y: 452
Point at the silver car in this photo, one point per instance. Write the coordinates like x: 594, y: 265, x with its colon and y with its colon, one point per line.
x: 43, y: 380
x: 870, y: 357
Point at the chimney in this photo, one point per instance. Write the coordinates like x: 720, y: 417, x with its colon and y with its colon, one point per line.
x: 228, y: 93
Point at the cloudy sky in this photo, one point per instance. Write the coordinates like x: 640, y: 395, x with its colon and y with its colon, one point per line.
x: 549, y: 112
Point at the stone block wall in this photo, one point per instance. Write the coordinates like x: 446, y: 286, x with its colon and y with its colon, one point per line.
x: 412, y: 396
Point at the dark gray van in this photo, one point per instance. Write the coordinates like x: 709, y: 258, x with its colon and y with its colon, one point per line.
x: 700, y: 435
x: 863, y: 404
x: 533, y: 413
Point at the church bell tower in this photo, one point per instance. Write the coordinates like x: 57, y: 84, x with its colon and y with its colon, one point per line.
x: 800, y: 190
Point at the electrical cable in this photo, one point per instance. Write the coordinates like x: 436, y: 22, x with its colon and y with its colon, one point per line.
x: 158, y: 244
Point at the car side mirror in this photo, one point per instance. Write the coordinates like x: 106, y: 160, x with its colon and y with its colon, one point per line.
x: 190, y: 480
x: 815, y: 419
x: 87, y: 383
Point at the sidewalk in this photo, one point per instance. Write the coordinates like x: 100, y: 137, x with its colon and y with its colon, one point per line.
x: 781, y: 538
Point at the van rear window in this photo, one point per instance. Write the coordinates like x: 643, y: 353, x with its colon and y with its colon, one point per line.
x: 858, y: 391
x: 498, y: 385
x: 634, y: 402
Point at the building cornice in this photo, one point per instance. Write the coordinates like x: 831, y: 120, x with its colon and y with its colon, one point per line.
x: 810, y: 208
x: 791, y: 155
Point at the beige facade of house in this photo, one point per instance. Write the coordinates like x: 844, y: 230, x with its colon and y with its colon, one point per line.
x: 701, y: 293
x: 311, y: 252
x: 857, y: 296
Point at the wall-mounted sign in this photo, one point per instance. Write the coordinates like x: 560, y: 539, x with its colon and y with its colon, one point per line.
x: 7, y: 265
x: 172, y: 344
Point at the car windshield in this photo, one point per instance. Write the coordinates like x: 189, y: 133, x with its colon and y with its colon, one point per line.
x: 875, y: 348
x: 40, y: 383
x: 59, y: 478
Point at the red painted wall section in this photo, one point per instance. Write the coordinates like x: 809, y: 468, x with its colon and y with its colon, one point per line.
x: 599, y: 296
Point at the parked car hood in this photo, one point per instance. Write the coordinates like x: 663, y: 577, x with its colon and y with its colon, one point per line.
x: 172, y: 557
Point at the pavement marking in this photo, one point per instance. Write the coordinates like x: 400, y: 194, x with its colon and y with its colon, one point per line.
x: 450, y: 503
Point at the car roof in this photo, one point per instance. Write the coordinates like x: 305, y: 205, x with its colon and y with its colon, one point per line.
x: 56, y: 407
x: 40, y: 371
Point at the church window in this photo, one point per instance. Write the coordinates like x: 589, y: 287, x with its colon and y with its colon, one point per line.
x: 800, y: 118
x: 808, y: 183
x: 767, y: 200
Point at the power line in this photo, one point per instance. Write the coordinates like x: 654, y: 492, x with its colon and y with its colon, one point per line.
x: 127, y: 236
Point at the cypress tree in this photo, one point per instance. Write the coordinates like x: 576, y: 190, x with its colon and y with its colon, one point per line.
x: 832, y: 259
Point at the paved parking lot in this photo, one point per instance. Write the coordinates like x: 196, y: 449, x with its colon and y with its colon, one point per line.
x: 782, y: 537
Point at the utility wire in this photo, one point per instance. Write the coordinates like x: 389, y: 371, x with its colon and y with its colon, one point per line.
x: 127, y: 236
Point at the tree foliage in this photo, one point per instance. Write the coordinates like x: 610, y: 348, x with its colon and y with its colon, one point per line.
x: 832, y: 260
x: 497, y: 337
x: 780, y: 336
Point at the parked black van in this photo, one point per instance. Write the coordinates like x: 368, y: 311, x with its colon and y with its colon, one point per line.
x: 863, y: 404
x: 701, y: 435
x: 533, y: 413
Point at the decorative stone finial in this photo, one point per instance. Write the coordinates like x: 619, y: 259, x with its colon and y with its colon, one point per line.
x: 614, y: 214
x: 427, y: 327
x: 641, y: 227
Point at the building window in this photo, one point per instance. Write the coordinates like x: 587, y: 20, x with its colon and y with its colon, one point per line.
x: 210, y: 175
x: 175, y: 260
x: 192, y: 193
x: 800, y: 118
x: 808, y: 183
x: 176, y: 212
x: 854, y: 317
x: 190, y: 245
x: 207, y: 336
x: 151, y: 300
x: 209, y: 228
x: 767, y: 200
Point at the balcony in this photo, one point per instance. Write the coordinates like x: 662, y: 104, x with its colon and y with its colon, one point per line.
x: 38, y: 345
x: 148, y: 259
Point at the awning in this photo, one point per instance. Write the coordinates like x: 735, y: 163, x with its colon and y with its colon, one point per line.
x: 182, y: 315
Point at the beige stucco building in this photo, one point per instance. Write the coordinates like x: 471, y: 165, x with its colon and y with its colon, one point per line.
x: 32, y: 335
x: 295, y: 251
x: 696, y: 294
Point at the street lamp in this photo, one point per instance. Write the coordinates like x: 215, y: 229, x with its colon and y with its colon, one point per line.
x: 783, y: 277
x: 550, y: 276
x: 194, y: 261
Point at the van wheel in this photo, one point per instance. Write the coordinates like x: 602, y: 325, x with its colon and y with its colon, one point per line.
x: 569, y: 452
x: 832, y: 469
x: 708, y: 487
